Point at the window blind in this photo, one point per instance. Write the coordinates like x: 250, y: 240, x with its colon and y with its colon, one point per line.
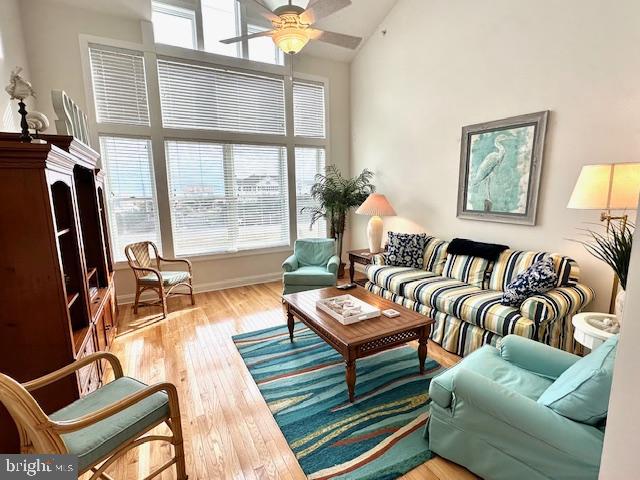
x: 227, y: 198
x: 199, y: 97
x: 308, y: 110
x: 119, y: 87
x: 133, y: 210
x: 309, y: 162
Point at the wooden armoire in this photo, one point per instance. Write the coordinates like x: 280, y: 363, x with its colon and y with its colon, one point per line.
x: 57, y: 301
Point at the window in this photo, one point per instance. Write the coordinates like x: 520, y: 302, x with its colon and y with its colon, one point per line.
x: 131, y: 192
x: 226, y: 198
x: 220, y: 21
x: 199, y: 97
x: 310, y: 161
x: 262, y: 49
x: 174, y: 25
x: 119, y: 87
x: 308, y: 109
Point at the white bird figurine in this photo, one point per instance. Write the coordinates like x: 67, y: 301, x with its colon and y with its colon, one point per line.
x: 19, y: 88
x: 489, y: 166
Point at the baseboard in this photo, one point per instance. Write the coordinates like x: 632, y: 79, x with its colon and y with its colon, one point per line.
x: 213, y: 286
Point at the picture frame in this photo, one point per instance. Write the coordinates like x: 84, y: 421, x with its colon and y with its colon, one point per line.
x: 500, y: 169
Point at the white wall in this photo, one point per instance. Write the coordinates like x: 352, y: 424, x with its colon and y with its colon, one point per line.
x: 444, y: 64
x: 620, y: 460
x: 12, y: 54
x: 54, y: 51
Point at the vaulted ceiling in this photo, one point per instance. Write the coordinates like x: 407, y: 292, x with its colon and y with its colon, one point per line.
x: 360, y: 19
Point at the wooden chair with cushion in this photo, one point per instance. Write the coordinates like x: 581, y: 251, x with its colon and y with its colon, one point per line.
x: 100, y: 427
x: 150, y: 276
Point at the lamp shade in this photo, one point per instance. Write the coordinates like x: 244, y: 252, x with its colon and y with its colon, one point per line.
x: 377, y: 205
x: 613, y: 186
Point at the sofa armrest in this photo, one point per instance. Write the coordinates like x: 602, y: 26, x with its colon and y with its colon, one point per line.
x: 333, y: 264
x: 290, y: 264
x: 577, y: 440
x: 535, y: 357
x: 557, y: 303
x: 378, y: 259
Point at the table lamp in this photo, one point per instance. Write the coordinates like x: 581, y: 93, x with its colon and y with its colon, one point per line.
x: 376, y: 205
x: 614, y: 186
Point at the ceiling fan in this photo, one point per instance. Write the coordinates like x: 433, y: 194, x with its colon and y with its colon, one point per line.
x: 291, y: 25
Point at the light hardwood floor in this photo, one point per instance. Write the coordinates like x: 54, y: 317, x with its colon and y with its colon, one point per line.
x: 228, y: 429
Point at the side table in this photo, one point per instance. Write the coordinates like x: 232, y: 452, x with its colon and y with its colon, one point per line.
x: 589, y: 335
x: 363, y: 257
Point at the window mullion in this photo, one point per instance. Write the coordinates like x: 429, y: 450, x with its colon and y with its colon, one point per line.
x: 243, y: 29
x: 231, y: 194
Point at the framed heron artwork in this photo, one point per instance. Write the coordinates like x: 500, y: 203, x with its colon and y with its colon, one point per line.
x: 500, y: 166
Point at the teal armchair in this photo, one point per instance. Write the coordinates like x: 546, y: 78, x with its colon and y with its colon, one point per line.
x: 485, y: 416
x: 314, y: 264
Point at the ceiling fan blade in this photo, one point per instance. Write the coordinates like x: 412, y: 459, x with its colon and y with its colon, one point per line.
x: 266, y: 33
x: 340, y: 39
x: 259, y: 7
x: 322, y: 8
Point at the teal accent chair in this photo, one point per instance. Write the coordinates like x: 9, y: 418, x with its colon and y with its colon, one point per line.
x: 100, y: 427
x: 314, y: 264
x: 485, y: 415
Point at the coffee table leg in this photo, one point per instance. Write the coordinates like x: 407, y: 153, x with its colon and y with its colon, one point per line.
x: 290, y: 323
x: 351, y: 378
x: 422, y: 352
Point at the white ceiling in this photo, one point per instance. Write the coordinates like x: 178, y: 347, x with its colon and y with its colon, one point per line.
x: 360, y: 19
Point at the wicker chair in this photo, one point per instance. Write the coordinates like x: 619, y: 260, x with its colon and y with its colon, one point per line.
x: 150, y: 276
x: 100, y: 427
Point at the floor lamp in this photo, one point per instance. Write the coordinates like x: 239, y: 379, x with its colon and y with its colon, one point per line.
x: 608, y: 187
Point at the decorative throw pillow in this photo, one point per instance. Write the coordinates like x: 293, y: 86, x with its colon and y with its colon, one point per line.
x: 471, y: 270
x: 406, y: 249
x: 581, y: 393
x: 435, y: 254
x: 538, y: 278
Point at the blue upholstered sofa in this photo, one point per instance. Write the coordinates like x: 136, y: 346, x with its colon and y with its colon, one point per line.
x: 463, y: 295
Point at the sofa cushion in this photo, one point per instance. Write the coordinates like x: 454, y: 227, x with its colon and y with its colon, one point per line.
x: 581, y: 393
x: 168, y: 278
x: 471, y: 304
x: 462, y: 246
x: 309, y: 275
x: 435, y: 255
x: 406, y: 249
x: 538, y: 278
x: 471, y: 270
x: 395, y: 278
x: 512, y: 263
x: 487, y: 362
x: 314, y: 251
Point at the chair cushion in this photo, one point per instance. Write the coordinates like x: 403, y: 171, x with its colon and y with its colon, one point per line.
x: 395, y: 278
x: 92, y: 443
x: 314, y: 252
x: 406, y: 249
x: 538, y: 278
x: 581, y: 393
x: 168, y: 278
x: 471, y: 270
x: 310, y: 275
x: 487, y: 362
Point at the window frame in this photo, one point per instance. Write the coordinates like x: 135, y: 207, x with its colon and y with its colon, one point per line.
x: 152, y: 52
x: 178, y: 10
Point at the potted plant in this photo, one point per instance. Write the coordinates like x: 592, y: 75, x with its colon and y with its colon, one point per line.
x: 614, y: 248
x: 335, y: 196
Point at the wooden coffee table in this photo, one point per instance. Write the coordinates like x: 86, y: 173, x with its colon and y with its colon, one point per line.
x: 361, y: 339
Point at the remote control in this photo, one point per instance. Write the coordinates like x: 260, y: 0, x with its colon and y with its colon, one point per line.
x: 347, y: 286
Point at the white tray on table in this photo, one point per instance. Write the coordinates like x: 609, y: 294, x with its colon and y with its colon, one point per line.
x: 351, y: 314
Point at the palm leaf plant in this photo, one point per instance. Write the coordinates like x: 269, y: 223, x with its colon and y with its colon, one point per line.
x: 335, y: 196
x: 612, y: 247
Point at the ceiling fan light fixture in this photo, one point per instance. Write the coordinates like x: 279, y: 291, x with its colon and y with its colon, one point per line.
x: 291, y: 39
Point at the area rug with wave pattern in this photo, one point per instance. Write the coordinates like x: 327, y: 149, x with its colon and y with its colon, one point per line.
x: 379, y: 436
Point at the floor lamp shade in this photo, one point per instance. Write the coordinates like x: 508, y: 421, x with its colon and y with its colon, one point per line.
x: 614, y: 186
x: 376, y: 205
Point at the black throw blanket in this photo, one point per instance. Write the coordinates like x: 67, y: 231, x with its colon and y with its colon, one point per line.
x: 462, y: 246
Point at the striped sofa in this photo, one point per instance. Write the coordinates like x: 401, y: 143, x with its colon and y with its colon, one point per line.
x: 463, y: 295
